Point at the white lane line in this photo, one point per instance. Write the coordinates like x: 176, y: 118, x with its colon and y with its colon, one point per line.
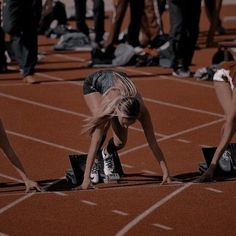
x: 126, y: 166
x: 49, y: 184
x: 21, y: 181
x: 36, y: 193
x: 205, y: 146
x: 154, y: 207
x: 120, y: 212
x: 59, y: 109
x: 127, y: 69
x: 162, y: 226
x: 16, y: 202
x: 43, y: 105
x: 85, y: 116
x: 44, y: 142
x: 56, y: 78
x: 12, y: 84
x: 69, y: 57
x: 80, y: 59
x: 10, y: 194
x: 229, y: 18
x: 2, y: 234
x: 183, y: 107
x: 183, y: 140
x: 11, y: 178
x: 89, y: 202
x: 28, y: 195
x: 187, y: 81
x: 149, y: 172
x: 146, y: 99
x: 214, y: 190
x: 60, y: 193
x: 141, y: 130
x: 172, y: 136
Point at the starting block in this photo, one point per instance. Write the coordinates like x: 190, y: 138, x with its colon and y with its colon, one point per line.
x: 113, y: 178
x: 75, y: 176
x: 208, y: 154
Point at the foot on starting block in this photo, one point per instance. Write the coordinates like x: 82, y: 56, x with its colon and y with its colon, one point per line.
x: 112, y: 178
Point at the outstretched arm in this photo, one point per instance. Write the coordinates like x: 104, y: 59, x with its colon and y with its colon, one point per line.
x: 146, y: 123
x: 15, y: 161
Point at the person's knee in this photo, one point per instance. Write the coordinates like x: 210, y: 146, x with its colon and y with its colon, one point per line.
x: 119, y: 144
x: 114, y: 145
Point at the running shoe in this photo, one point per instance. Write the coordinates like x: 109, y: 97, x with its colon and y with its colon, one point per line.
x: 94, y: 175
x: 181, y: 73
x: 225, y: 161
x: 109, y: 165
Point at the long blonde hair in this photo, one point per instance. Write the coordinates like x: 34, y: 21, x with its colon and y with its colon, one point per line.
x: 126, y: 102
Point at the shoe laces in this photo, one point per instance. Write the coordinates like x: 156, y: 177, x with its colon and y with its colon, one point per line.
x: 108, y: 161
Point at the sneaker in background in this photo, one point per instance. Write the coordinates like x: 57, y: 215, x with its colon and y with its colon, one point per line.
x: 181, y: 73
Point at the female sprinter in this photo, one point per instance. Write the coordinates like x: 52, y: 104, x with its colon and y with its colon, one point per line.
x: 12, y: 157
x: 115, y: 102
x: 224, y: 82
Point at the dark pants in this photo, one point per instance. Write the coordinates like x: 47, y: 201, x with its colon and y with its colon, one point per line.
x: 20, y: 20
x: 98, y: 11
x: 184, y: 29
x: 136, y: 12
x: 3, y: 63
x: 210, y: 7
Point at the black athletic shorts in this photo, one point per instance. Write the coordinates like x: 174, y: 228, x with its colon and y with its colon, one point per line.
x: 99, y: 81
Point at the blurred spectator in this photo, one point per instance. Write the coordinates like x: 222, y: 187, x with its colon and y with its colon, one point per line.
x: 53, y: 11
x: 152, y: 33
x: 184, y: 29
x: 20, y: 21
x: 3, y: 62
x: 98, y: 16
x: 150, y: 27
x: 136, y: 12
x: 210, y: 7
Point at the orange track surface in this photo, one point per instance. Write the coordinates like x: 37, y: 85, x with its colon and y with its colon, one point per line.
x: 43, y: 122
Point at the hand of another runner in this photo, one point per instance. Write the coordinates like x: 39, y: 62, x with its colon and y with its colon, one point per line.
x: 32, y: 185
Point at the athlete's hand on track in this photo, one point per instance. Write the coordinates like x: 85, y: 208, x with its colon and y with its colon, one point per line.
x: 32, y: 185
x: 206, y: 177
x: 86, y: 185
x: 166, y: 179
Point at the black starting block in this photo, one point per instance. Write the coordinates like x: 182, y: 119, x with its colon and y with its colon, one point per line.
x: 75, y: 176
x: 208, y: 154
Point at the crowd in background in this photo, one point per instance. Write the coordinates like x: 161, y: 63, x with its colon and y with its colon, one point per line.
x: 23, y: 20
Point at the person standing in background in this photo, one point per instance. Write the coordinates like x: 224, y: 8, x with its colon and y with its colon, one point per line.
x: 136, y: 13
x: 184, y: 29
x: 20, y: 21
x: 3, y: 61
x: 98, y: 16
